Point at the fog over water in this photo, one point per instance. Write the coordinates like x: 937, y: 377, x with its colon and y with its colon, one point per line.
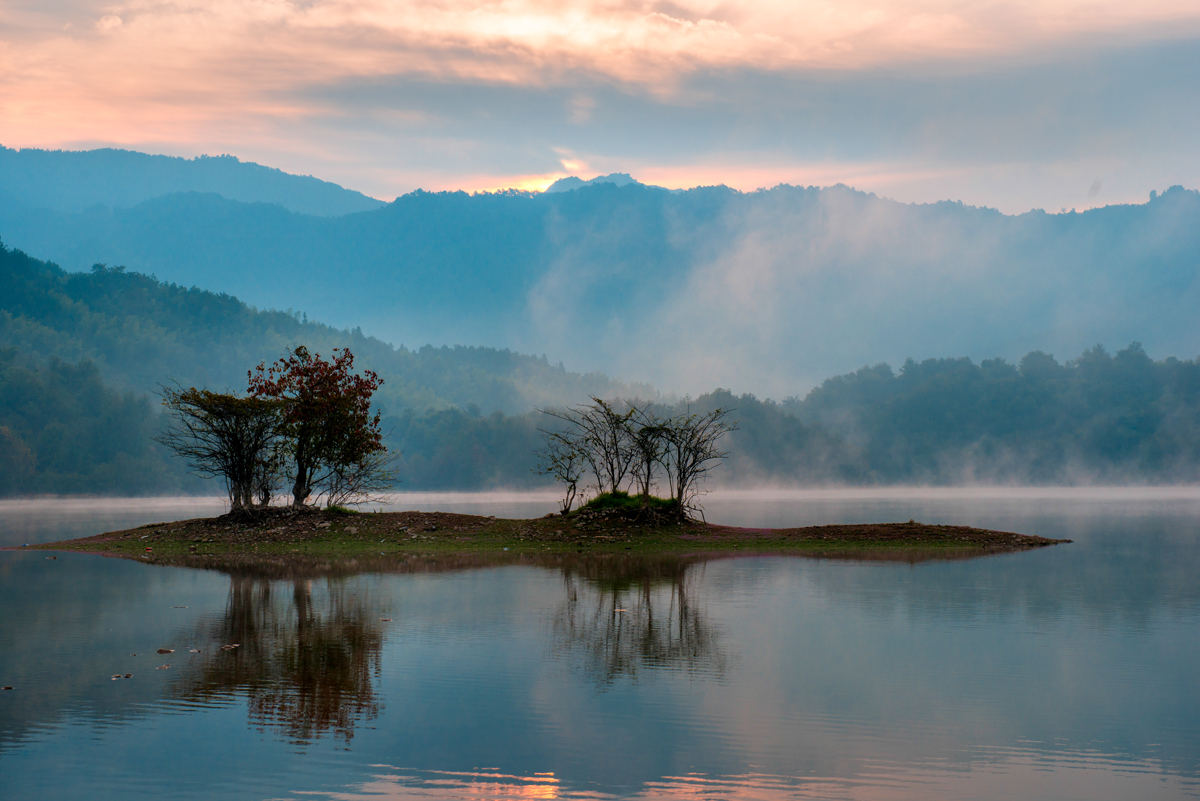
x: 39, y: 520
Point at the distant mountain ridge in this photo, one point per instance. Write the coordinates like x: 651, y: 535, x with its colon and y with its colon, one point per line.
x: 72, y: 181
x: 767, y: 291
x: 573, y: 182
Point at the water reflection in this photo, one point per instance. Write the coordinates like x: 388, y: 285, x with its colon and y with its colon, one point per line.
x: 1067, y: 672
x: 1095, y: 776
x: 304, y: 645
x: 307, y: 647
x: 307, y: 661
x: 306, y: 650
x: 622, y: 614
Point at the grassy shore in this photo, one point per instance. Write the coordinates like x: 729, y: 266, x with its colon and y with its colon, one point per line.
x: 321, y: 532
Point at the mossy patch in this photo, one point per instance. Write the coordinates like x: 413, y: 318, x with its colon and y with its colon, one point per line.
x: 630, y: 503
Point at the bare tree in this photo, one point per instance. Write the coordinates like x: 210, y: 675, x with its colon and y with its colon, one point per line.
x: 562, y: 458
x: 620, y: 441
x: 649, y: 436
x: 222, y: 435
x: 691, y: 449
x: 603, y: 438
x: 361, y: 480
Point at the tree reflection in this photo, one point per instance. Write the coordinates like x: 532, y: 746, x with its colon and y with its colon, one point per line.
x: 627, y: 613
x: 309, y: 636
x: 307, y: 659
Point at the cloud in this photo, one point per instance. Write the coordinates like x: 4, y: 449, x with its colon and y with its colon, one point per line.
x: 265, y: 45
x: 918, y: 98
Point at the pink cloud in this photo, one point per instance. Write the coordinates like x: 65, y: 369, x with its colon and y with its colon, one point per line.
x: 242, y: 50
x: 259, y: 77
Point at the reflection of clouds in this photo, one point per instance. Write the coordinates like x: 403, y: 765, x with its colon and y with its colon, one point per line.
x: 480, y: 785
x: 837, y: 692
x: 1007, y: 773
x: 1003, y: 773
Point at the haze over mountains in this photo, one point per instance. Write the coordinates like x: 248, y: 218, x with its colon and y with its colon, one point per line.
x: 80, y: 351
x: 768, y: 292
x: 693, y: 289
x: 83, y: 355
x: 72, y: 181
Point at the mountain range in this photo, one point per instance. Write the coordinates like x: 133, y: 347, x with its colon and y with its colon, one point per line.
x: 767, y: 291
x: 82, y: 354
x: 73, y: 181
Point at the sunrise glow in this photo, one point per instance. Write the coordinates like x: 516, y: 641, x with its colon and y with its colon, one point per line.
x: 387, y: 96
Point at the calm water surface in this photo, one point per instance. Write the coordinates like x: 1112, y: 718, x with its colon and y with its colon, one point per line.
x: 1064, y: 673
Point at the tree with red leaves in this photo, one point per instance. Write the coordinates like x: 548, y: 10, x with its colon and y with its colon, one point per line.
x: 327, y: 422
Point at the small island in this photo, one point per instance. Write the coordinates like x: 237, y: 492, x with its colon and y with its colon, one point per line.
x: 338, y: 532
x: 306, y: 425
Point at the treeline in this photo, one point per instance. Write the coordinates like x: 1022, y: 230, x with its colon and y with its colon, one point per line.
x: 1097, y: 418
x: 1100, y: 418
x: 84, y: 356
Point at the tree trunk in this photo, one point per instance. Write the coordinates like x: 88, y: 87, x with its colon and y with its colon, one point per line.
x: 300, y: 486
x: 299, y: 490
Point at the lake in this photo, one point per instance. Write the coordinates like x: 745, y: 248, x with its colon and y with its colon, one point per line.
x: 1067, y: 672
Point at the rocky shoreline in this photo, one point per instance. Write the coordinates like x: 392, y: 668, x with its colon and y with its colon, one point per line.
x: 336, y: 532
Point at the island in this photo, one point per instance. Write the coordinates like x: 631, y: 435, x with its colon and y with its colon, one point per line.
x: 337, y: 532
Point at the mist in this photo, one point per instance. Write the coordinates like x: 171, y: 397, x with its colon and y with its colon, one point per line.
x: 766, y: 292
x: 784, y: 288
x: 861, y: 341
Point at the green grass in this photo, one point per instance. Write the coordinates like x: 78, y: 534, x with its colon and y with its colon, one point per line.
x: 632, y: 503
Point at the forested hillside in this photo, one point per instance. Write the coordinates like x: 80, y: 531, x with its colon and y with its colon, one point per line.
x: 62, y: 430
x: 83, y: 355
x: 1098, y: 418
x: 141, y: 332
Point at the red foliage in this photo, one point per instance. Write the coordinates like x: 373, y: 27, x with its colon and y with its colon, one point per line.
x: 327, y: 412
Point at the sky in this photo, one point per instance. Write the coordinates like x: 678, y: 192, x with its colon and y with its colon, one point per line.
x: 1013, y: 104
